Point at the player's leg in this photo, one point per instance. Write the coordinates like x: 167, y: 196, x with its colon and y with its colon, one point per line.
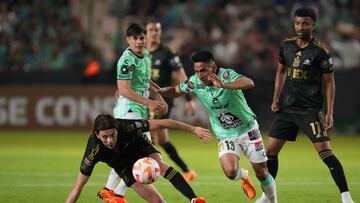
x: 175, y: 178
x: 229, y: 152
x: 107, y: 193
x: 164, y: 141
x: 313, y: 126
x: 148, y: 192
x: 254, y: 150
x: 282, y: 129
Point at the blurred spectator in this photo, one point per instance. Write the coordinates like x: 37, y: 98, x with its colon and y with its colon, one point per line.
x: 39, y: 35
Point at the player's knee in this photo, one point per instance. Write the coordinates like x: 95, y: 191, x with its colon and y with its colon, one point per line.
x: 231, y: 173
x: 271, y: 152
x: 261, y: 174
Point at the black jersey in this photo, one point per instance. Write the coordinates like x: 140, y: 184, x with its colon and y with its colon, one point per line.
x: 304, y: 69
x: 127, y: 149
x: 164, y: 62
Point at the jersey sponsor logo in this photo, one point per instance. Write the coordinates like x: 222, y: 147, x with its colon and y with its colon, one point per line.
x: 296, y: 73
x: 229, y: 120
x: 307, y: 62
x: 259, y: 145
x: 254, y: 134
x: 226, y: 75
x: 157, y: 62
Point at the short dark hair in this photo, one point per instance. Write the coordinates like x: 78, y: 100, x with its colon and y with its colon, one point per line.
x: 306, y: 12
x: 104, y: 122
x: 202, y: 56
x: 135, y: 29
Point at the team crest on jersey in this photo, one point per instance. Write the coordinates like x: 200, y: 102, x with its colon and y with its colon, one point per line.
x: 226, y: 75
x: 132, y: 67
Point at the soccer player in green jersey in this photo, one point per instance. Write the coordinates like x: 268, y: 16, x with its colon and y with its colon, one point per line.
x: 133, y: 74
x: 233, y: 122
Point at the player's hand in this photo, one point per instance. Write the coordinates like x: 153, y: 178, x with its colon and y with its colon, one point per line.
x: 190, y: 108
x: 154, y: 86
x: 216, y: 81
x: 329, y: 122
x: 158, y: 107
x: 203, y: 134
x: 275, y: 105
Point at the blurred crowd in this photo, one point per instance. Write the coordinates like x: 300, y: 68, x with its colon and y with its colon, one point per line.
x: 243, y: 34
x: 41, y: 36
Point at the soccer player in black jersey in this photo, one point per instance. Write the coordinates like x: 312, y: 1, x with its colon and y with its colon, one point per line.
x: 166, y: 69
x: 303, y: 63
x: 120, y: 143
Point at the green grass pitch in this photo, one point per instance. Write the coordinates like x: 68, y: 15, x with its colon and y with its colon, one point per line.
x: 41, y: 166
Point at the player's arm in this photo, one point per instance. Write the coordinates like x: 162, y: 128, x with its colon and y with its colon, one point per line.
x: 330, y: 97
x: 76, y: 190
x: 153, y: 105
x: 168, y: 92
x: 241, y: 83
x: 202, y: 133
x: 179, y: 76
x: 279, y: 84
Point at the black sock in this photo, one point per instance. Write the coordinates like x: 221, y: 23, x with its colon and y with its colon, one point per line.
x: 336, y: 169
x: 178, y: 181
x: 171, y: 151
x: 273, y: 165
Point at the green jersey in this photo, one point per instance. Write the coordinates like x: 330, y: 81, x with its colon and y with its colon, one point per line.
x: 230, y: 116
x: 138, y: 70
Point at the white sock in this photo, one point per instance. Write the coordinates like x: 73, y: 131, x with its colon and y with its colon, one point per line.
x: 121, y: 188
x: 269, y: 187
x: 241, y: 173
x: 346, y: 197
x: 113, y: 180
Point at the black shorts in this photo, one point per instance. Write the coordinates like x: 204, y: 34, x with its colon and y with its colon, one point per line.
x: 142, y: 147
x: 285, y: 126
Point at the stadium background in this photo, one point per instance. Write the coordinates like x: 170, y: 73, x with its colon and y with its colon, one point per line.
x: 57, y: 71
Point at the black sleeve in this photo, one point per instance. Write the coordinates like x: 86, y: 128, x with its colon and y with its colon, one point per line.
x: 91, y: 156
x: 325, y: 62
x: 281, y: 54
x: 133, y: 126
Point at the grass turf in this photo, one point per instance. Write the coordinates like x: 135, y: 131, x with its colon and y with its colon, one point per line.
x: 41, y: 166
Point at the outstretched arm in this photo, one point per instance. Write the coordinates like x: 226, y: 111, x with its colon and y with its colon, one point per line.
x: 76, y: 190
x: 169, y: 92
x: 202, y: 133
x: 241, y: 83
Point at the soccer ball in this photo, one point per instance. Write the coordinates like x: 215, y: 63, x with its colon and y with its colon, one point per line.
x: 146, y: 170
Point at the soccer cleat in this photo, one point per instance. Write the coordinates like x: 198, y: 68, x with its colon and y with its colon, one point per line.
x: 198, y: 200
x: 247, y: 185
x: 120, y: 199
x: 107, y: 195
x: 189, y: 176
